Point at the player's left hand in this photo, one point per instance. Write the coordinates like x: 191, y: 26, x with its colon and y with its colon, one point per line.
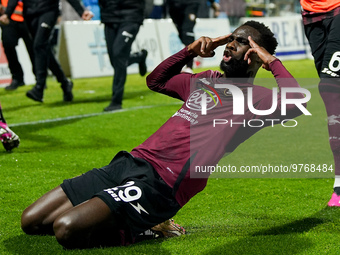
x: 265, y: 57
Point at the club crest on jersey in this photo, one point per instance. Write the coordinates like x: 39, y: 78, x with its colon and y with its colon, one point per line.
x: 194, y: 101
x: 206, y: 93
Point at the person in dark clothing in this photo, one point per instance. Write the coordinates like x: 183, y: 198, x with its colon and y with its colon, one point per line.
x: 183, y: 14
x: 122, y: 20
x: 147, y: 186
x: 10, y: 36
x: 41, y: 17
x: 321, y: 21
x: 206, y: 6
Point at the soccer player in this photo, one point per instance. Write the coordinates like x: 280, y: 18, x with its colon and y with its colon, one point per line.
x: 7, y: 137
x: 147, y: 186
x: 321, y: 21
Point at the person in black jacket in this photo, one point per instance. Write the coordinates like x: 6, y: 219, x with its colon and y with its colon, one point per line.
x: 184, y: 13
x: 122, y: 20
x: 10, y: 35
x: 41, y: 17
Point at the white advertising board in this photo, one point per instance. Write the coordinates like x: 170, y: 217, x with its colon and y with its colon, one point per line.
x: 204, y: 27
x: 83, y: 50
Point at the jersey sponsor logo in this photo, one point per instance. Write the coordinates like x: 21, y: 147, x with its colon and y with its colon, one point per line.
x: 333, y: 120
x: 169, y: 169
x: 329, y: 72
x: 139, y: 208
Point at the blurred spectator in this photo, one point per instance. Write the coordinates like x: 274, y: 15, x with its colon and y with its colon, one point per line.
x: 93, y: 6
x: 158, y: 10
x: 41, y: 17
x: 235, y: 9
x: 68, y: 13
x: 122, y: 20
x: 10, y: 36
x: 184, y: 13
x: 209, y: 9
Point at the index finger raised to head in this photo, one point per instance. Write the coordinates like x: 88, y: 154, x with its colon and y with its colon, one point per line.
x: 252, y: 43
x: 221, y: 40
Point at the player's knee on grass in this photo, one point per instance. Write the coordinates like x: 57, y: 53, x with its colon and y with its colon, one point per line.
x: 27, y: 223
x: 71, y: 237
x: 66, y: 234
x: 31, y: 224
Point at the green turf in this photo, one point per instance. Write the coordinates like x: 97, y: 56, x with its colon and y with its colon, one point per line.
x: 231, y: 216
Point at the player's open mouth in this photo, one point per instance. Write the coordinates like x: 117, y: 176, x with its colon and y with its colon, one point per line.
x: 227, y: 56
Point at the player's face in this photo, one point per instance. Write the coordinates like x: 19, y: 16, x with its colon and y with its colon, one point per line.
x: 233, y: 63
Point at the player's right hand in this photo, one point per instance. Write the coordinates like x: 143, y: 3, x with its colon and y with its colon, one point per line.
x: 261, y: 52
x: 205, y: 46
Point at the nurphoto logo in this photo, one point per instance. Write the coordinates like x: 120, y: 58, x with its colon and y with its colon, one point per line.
x: 238, y: 100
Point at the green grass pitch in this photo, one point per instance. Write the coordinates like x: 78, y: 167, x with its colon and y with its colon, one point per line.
x: 231, y: 216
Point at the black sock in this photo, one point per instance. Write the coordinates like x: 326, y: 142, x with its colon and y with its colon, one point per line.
x: 2, y: 119
x: 337, y: 190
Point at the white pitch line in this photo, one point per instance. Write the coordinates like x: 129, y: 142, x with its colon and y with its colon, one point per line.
x: 90, y: 115
x: 102, y: 113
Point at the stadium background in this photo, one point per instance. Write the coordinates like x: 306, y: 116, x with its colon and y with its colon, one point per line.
x: 87, y: 57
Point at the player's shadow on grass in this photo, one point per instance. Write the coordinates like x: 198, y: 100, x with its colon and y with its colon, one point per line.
x: 263, y: 245
x: 19, y: 107
x: 295, y: 227
x: 324, y: 216
x: 80, y: 100
x: 28, y: 245
x: 284, y: 239
x: 129, y: 95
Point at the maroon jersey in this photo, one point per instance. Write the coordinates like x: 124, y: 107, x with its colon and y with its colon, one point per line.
x: 189, y: 138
